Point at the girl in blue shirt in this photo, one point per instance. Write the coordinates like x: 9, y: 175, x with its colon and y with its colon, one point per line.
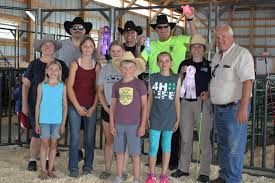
x: 50, y: 115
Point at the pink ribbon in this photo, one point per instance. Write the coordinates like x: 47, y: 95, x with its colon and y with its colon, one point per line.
x: 186, y: 10
x: 189, y: 86
x: 106, y: 40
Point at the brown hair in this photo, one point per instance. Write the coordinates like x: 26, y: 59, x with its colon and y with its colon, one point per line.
x: 169, y: 55
x: 117, y: 43
x: 84, y: 39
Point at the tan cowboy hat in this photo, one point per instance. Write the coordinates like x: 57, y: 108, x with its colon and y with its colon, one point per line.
x: 128, y: 56
x: 199, y: 39
x: 47, y: 38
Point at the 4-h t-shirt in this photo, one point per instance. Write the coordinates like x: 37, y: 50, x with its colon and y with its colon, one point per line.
x: 175, y: 45
x: 163, y: 110
x: 128, y: 106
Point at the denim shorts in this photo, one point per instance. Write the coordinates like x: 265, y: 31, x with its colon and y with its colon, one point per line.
x: 49, y: 131
x: 126, y: 136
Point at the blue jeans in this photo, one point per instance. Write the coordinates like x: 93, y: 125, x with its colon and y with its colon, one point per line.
x: 231, y: 143
x: 89, y: 139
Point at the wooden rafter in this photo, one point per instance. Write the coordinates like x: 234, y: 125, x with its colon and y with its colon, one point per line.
x: 160, y: 10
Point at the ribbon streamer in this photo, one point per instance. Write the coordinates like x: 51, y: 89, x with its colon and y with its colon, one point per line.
x: 189, y: 86
x: 105, y: 41
x: 147, y: 45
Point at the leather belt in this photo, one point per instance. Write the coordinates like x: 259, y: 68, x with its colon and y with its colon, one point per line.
x: 229, y: 104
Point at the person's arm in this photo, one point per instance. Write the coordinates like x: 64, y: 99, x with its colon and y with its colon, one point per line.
x: 149, y: 103
x: 64, y: 110
x: 246, y: 93
x: 177, y: 103
x: 141, y: 130
x: 37, y: 109
x: 190, y: 21
x: 71, y: 94
x: 92, y: 109
x: 112, y: 116
x: 139, y: 44
x: 25, y: 93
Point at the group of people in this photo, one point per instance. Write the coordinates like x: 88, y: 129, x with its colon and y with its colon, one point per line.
x: 179, y: 94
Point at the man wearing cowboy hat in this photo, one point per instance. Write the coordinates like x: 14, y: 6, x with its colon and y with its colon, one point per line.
x: 70, y: 50
x: 191, y: 109
x: 175, y: 45
x: 70, y: 47
x: 134, y: 42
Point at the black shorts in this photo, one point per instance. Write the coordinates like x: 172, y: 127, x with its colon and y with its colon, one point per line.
x: 104, y: 115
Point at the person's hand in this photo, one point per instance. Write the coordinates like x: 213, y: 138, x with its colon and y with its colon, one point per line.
x: 176, y: 126
x: 100, y: 31
x: 242, y: 116
x: 112, y: 129
x: 183, y: 69
x: 82, y: 111
x: 141, y: 131
x: 205, y: 95
x: 90, y: 111
x: 37, y: 128
x: 62, y: 130
x: 140, y: 40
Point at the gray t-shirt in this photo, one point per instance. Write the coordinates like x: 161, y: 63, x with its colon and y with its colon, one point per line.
x: 106, y: 78
x: 68, y: 52
x: 163, y: 110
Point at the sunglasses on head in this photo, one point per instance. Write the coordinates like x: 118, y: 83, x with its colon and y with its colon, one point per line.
x: 77, y: 27
x: 162, y: 26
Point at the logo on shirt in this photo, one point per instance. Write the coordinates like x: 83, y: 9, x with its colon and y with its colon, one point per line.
x: 164, y: 90
x: 126, y: 95
x: 204, y: 69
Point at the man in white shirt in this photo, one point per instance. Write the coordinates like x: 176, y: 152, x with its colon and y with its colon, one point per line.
x: 230, y: 90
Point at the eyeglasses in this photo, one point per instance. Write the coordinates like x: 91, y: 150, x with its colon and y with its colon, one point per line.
x: 214, y: 70
x: 77, y: 27
x: 162, y: 27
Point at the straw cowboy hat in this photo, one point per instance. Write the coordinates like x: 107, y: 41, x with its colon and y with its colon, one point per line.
x: 130, y: 25
x: 47, y: 38
x: 128, y: 56
x: 162, y: 19
x: 199, y: 39
x: 78, y: 20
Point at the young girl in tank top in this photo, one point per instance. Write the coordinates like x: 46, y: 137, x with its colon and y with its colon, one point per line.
x: 50, y: 115
x: 163, y: 114
x: 83, y: 103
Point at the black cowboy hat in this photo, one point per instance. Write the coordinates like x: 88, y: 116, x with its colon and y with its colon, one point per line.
x: 162, y: 19
x: 77, y: 20
x: 130, y: 25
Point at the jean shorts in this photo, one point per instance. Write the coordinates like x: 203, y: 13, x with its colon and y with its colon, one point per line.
x: 49, y: 131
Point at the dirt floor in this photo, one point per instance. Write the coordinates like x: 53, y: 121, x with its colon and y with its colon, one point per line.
x: 13, y: 161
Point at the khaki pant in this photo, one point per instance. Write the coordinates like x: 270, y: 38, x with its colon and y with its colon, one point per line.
x: 190, y: 115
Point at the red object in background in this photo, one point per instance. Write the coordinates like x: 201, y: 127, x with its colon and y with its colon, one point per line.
x: 24, y: 121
